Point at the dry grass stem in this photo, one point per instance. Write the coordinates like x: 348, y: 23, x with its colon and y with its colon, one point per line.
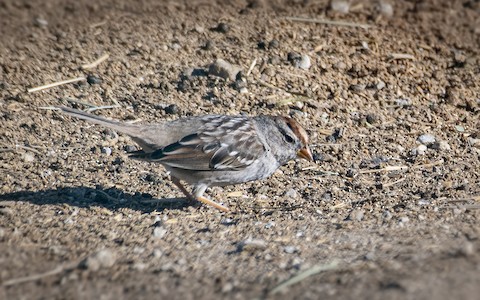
x: 401, y: 168
x: 96, y: 62
x: 54, y: 84
x: 252, y: 65
x: 394, y: 56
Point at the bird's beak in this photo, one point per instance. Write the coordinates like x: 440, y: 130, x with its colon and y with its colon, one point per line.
x: 305, y: 153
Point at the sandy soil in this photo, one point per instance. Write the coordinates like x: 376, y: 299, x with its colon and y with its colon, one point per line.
x: 378, y: 216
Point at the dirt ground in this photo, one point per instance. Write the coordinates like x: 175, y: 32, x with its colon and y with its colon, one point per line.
x: 390, y: 209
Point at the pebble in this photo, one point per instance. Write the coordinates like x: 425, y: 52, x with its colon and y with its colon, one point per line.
x: 28, y: 157
x: 372, y: 118
x: 420, y: 150
x: 403, y: 102
x: 441, y: 145
x: 199, y: 29
x: 222, y: 27
x: 253, y: 244
x: 130, y: 148
x: 91, y: 79
x: 159, y: 232
x: 385, y: 8
x: 224, y: 69
x: 341, y: 6
x: 273, y: 44
x: 227, y: 222
x: 107, y: 150
x: 380, y: 85
x: 102, y: 259
x: 357, y: 215
x: 171, y: 109
x: 290, y: 249
x: 291, y: 193
x: 2, y: 234
x: 305, y: 62
x: 41, y: 22
x: 426, y: 139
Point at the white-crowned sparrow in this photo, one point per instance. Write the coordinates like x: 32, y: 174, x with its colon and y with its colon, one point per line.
x: 214, y: 150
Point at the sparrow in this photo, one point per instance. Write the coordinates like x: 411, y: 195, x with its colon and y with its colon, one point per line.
x: 213, y: 150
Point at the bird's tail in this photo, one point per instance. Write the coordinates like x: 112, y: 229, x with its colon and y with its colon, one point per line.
x: 129, y: 129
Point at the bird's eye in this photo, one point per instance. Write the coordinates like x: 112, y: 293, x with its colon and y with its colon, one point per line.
x: 289, y: 139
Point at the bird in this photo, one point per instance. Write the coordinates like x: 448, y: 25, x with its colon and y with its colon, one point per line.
x: 213, y: 150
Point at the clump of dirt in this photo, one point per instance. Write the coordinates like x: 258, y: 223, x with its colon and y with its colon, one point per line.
x: 389, y: 94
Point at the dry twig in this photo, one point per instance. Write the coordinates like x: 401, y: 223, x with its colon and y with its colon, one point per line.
x: 54, y: 84
x: 96, y: 62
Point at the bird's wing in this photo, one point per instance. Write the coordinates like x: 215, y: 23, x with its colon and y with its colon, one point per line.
x: 221, y: 143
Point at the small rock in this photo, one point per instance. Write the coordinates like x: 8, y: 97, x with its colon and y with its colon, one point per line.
x: 209, y: 45
x: 364, y: 45
x: 290, y: 249
x: 243, y: 90
x: 261, y: 45
x: 2, y: 234
x: 270, y: 225
x: 385, y: 8
x: 420, y: 150
x: 252, y: 244
x: 341, y: 6
x: 293, y: 57
x: 175, y: 46
x: 40, y: 22
x: 102, y: 259
x: 199, y: 29
x: 159, y: 232
x: 91, y: 79
x: 273, y: 44
x: 223, y: 69
x: 426, y: 139
x: 403, y: 102
x: 357, y: 215
x: 28, y: 157
x: 222, y: 28
x: 171, y: 109
x: 130, y: 148
x: 305, y: 62
x: 372, y: 118
x: 227, y: 222
x: 404, y: 220
x: 340, y: 66
x: 441, y: 145
x: 291, y: 193
x: 380, y: 85
x: 107, y: 150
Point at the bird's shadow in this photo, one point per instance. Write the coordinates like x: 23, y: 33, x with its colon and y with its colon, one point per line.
x: 84, y: 197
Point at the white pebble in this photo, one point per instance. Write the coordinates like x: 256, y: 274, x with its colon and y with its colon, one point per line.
x: 386, y: 8
x: 305, y: 62
x: 426, y: 139
x: 341, y: 6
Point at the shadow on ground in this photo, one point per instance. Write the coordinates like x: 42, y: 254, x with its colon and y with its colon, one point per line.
x: 111, y: 198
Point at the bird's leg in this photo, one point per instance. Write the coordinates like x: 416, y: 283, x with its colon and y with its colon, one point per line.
x: 187, y: 194
x: 198, y: 195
